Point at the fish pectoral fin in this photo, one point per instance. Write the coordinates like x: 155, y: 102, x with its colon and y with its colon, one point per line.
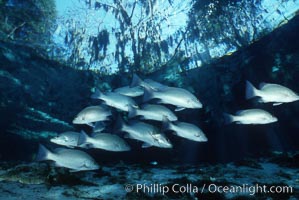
x: 276, y: 104
x: 91, y: 124
x: 179, y: 109
x: 146, y: 145
x: 238, y: 122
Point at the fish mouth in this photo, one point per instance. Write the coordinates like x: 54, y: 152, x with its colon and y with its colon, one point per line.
x: 174, y: 119
x: 76, y: 121
x: 198, y: 105
x: 296, y: 99
x: 169, y: 145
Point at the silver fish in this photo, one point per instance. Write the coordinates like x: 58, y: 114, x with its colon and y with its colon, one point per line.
x: 115, y: 100
x: 185, y: 130
x: 250, y: 116
x: 147, y: 133
x: 130, y: 91
x: 168, y: 95
x: 69, y: 139
x: 152, y: 112
x: 175, y: 96
x: 148, y: 83
x: 92, y: 114
x: 69, y: 158
x: 104, y: 141
x: 274, y: 93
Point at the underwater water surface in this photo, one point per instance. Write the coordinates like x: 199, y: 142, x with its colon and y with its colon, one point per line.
x: 149, y: 100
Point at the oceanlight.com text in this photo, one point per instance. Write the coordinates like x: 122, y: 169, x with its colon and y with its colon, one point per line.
x: 244, y: 189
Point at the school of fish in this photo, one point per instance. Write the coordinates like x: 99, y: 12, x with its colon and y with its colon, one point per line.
x: 134, y: 121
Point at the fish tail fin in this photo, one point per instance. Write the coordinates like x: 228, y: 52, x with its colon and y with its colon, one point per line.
x: 119, y: 125
x: 83, y: 137
x: 97, y: 94
x: 228, y: 118
x: 166, y: 124
x: 148, y: 94
x: 42, y: 154
x: 136, y: 81
x: 132, y: 112
x: 251, y: 91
